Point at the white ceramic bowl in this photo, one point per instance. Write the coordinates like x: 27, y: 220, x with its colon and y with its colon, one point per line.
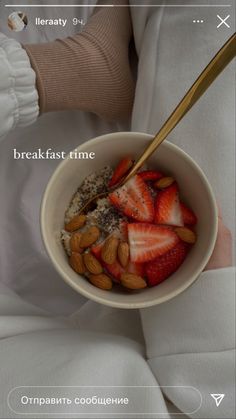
x: 195, y: 191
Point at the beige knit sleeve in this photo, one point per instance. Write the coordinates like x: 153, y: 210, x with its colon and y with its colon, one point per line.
x: 89, y: 71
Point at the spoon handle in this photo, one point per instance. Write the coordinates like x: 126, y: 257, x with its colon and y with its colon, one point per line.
x: 209, y: 74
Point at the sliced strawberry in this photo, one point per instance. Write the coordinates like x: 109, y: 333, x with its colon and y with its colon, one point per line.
x: 147, y: 175
x: 168, y: 209
x: 97, y: 249
x: 122, y: 168
x: 136, y: 268
x: 115, y: 270
x: 134, y: 200
x: 189, y: 217
x: 123, y: 230
x: 148, y: 241
x: 162, y: 267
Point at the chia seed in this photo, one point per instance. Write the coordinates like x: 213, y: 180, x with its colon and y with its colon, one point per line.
x: 93, y: 184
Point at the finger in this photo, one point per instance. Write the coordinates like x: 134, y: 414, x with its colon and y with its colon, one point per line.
x: 222, y: 254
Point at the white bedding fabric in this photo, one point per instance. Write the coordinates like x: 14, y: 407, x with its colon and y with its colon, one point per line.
x: 52, y: 336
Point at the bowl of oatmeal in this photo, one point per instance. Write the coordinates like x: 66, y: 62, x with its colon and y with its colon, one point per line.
x: 146, y: 241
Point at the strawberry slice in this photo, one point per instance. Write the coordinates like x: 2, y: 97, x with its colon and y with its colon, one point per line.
x: 148, y: 241
x: 122, y: 168
x: 97, y: 250
x: 136, y: 268
x: 115, y: 270
x: 123, y: 230
x: 189, y: 217
x: 162, y: 267
x: 149, y: 175
x: 134, y: 200
x: 168, y: 209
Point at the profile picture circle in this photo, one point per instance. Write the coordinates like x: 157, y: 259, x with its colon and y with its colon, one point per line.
x: 17, y: 21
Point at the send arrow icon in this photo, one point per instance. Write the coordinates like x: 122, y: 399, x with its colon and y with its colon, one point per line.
x: 218, y: 398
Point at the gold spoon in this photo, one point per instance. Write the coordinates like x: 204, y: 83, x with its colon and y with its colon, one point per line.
x: 206, y: 78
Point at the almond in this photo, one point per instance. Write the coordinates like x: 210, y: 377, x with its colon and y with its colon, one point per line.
x: 109, y: 250
x: 132, y: 281
x: 123, y: 254
x: 101, y: 281
x: 77, y: 263
x: 75, y: 243
x: 92, y: 264
x: 164, y: 182
x: 186, y: 235
x: 89, y: 237
x: 77, y: 222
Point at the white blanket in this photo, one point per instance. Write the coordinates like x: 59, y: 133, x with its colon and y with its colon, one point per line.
x: 187, y: 341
